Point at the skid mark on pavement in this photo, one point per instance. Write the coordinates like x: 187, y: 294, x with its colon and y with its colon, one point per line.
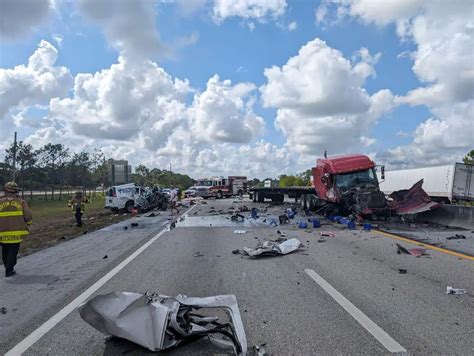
x: 385, y: 339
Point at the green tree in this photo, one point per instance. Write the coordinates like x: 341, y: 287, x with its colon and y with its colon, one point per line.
x: 469, y: 158
x: 54, y: 159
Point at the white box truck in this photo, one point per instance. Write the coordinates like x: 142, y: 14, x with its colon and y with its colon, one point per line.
x: 449, y: 183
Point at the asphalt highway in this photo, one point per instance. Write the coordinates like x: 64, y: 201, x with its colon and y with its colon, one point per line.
x: 345, y: 295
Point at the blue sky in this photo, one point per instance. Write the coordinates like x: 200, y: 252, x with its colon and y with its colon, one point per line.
x: 239, y: 47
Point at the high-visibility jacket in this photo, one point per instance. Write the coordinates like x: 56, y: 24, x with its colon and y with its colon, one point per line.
x: 15, y: 216
x: 75, y: 203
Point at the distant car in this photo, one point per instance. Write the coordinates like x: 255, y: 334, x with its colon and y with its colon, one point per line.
x: 190, y: 193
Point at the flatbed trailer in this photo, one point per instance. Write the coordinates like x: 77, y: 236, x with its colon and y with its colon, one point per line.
x: 277, y: 194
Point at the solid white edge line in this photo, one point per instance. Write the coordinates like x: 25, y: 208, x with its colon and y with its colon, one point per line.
x: 43, y: 329
x: 385, y: 339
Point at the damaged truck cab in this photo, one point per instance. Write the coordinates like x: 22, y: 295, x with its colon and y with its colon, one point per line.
x: 346, y: 184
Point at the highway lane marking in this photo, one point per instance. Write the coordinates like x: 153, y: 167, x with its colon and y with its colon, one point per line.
x: 43, y: 329
x: 431, y: 247
x: 385, y: 339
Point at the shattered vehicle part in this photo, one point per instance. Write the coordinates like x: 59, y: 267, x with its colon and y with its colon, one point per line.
x: 240, y: 231
x: 412, y: 201
x: 159, y: 322
x: 271, y: 248
x: 417, y: 252
x: 456, y: 237
x: 455, y: 291
x: 327, y: 234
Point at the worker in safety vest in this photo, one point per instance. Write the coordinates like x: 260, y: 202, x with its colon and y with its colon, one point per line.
x: 15, y: 216
x: 78, y: 205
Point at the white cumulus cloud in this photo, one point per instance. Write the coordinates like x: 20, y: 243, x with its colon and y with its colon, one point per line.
x: 320, y: 100
x: 443, y: 33
x: 260, y: 10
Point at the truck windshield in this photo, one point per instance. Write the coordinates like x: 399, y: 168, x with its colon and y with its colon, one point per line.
x: 350, y: 180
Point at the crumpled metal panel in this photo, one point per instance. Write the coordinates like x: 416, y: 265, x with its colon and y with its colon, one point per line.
x: 271, y: 248
x: 160, y: 322
x: 412, y: 201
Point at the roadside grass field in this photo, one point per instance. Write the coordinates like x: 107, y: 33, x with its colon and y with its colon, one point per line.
x: 54, y: 222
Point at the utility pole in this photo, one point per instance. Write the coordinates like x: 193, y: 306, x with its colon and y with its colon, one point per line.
x: 170, y: 167
x: 14, y: 158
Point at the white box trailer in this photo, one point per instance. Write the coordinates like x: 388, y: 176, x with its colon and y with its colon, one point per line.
x: 447, y: 183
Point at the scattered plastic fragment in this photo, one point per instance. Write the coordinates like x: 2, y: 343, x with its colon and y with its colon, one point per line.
x: 3, y: 310
x: 284, y: 219
x: 198, y: 254
x: 367, y: 226
x: 327, y: 233
x: 321, y: 240
x: 282, y: 234
x: 455, y: 291
x: 402, y: 270
x: 105, y: 257
x: 254, y: 213
x: 125, y: 227
x: 159, y: 322
x: 302, y: 225
x: 240, y: 231
x: 316, y: 223
x: 150, y: 215
x: 134, y: 224
x: 456, y: 237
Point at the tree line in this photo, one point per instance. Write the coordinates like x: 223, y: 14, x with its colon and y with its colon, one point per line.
x: 56, y: 169
x: 53, y: 167
x: 161, y: 178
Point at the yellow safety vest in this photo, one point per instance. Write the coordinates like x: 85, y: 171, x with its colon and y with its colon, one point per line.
x: 12, y: 221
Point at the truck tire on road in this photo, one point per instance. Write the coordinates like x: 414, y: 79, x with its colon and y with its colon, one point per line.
x: 219, y: 195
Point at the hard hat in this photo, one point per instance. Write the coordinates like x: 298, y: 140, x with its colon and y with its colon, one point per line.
x: 11, y: 187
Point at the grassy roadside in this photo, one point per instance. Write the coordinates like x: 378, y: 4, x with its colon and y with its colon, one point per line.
x: 53, y: 222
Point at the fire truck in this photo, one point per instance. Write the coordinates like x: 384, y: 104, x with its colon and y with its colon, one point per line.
x: 221, y: 187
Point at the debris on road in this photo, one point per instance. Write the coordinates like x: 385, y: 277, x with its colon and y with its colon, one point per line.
x: 282, y: 234
x: 284, y: 219
x: 455, y: 291
x: 198, y: 254
x: 240, y: 231
x: 456, y: 237
x: 125, y: 227
x: 302, y: 225
x: 159, y: 322
x: 321, y: 240
x: 417, y: 252
x: 150, y: 215
x: 3, y: 310
x: 134, y: 224
x: 105, y: 257
x: 236, y: 217
x: 402, y: 270
x: 327, y: 234
x: 272, y: 248
x: 254, y: 213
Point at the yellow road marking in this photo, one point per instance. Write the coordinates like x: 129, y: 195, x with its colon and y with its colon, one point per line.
x: 431, y: 247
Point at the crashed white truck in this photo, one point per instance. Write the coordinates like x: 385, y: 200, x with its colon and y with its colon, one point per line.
x: 127, y: 197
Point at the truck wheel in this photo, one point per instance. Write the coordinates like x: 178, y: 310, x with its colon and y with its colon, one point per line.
x: 219, y: 195
x: 129, y: 206
x: 114, y: 210
x: 260, y: 197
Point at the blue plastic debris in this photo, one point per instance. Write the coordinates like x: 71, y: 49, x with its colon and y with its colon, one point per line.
x: 254, y: 213
x: 302, y: 225
x: 290, y: 213
x: 316, y: 223
x: 367, y: 227
x: 351, y: 225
